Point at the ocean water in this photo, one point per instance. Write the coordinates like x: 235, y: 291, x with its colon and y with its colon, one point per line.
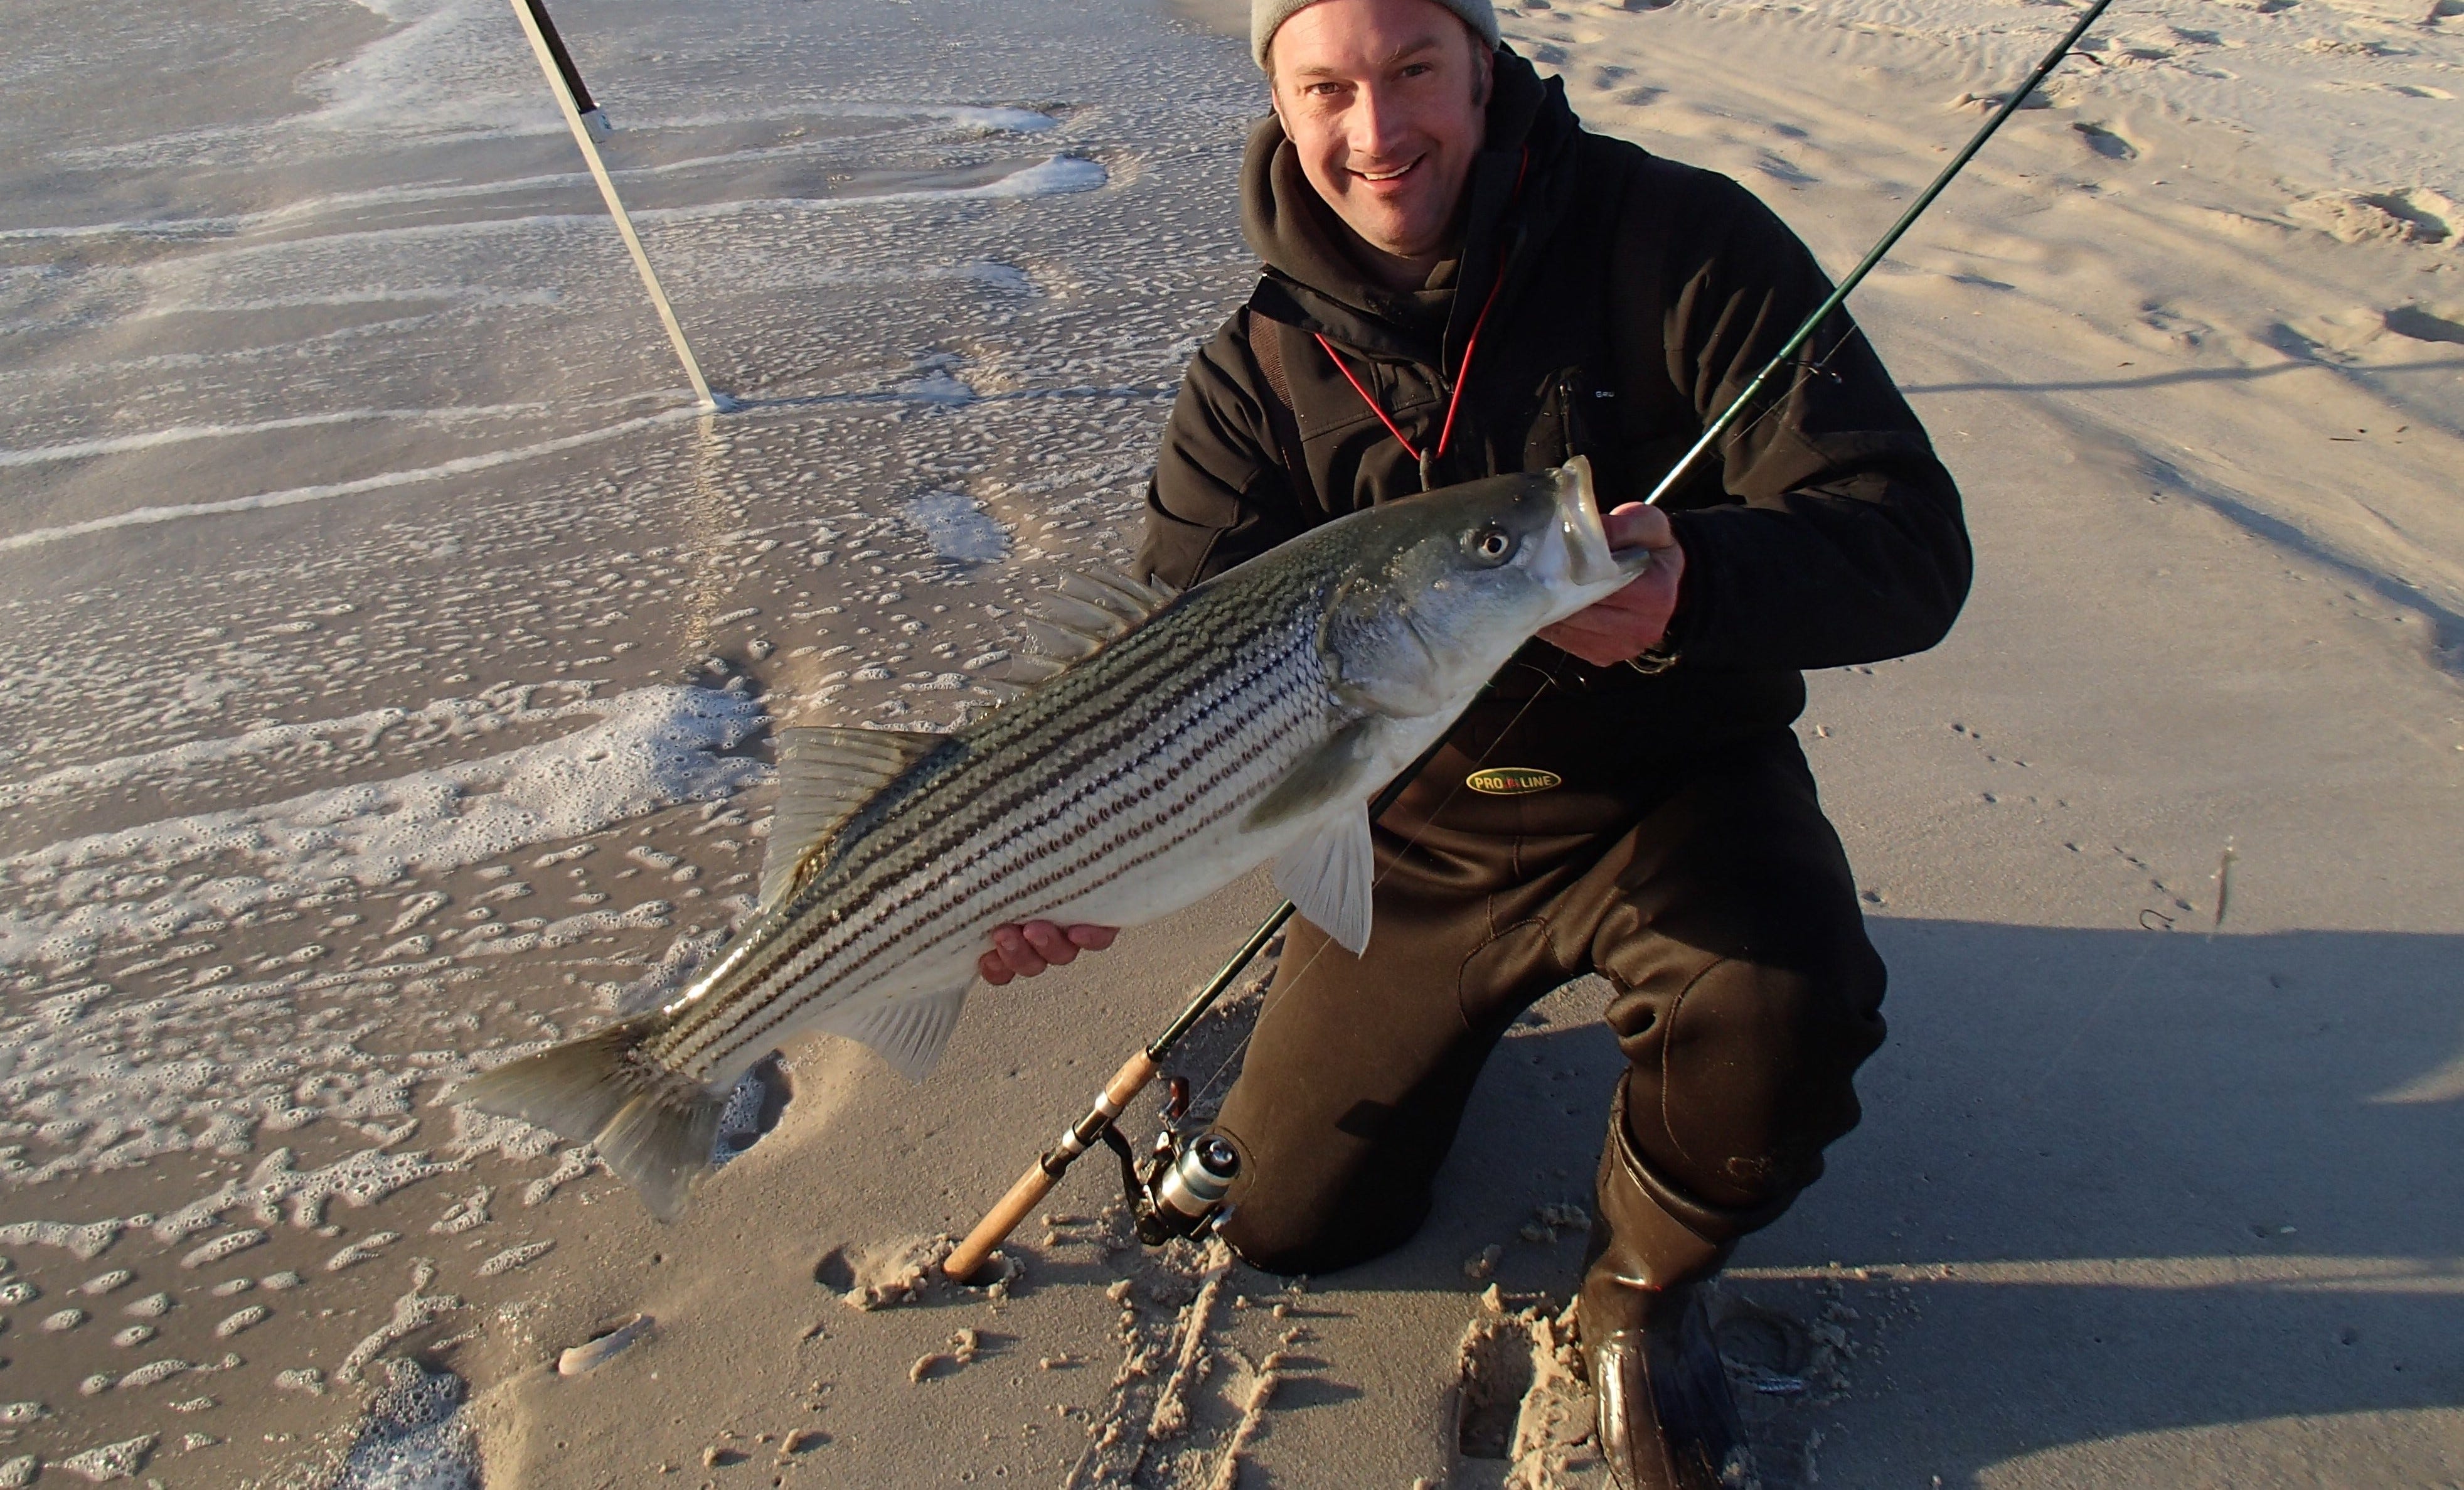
x: 388, y: 647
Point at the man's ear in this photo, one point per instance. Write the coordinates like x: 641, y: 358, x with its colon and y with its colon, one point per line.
x: 1483, y: 65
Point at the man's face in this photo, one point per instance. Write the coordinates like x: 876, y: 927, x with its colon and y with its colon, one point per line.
x: 1385, y: 102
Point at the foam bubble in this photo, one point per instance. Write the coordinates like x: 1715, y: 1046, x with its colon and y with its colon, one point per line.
x: 651, y: 749
x: 957, y: 527
x: 120, y: 1460
x: 415, y: 1436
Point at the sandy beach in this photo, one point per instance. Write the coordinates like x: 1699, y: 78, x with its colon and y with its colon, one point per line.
x: 390, y: 652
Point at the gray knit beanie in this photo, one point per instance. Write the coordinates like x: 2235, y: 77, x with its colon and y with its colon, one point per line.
x: 1264, y: 15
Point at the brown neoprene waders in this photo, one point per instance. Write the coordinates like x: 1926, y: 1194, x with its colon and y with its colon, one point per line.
x: 1707, y: 890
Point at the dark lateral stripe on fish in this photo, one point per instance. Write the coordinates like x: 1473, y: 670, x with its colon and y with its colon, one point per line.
x: 872, y: 859
x: 778, y: 1015
x: 895, y: 858
x: 1043, y: 824
x: 1228, y: 665
x: 721, y: 1027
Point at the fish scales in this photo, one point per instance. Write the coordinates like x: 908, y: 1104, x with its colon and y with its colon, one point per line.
x: 1031, y: 789
x: 1245, y: 721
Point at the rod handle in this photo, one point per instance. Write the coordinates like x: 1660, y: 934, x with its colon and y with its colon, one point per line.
x: 999, y: 1222
x: 1045, y: 1172
x: 1129, y: 1081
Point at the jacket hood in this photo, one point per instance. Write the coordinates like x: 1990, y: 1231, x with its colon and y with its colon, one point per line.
x: 1312, y: 282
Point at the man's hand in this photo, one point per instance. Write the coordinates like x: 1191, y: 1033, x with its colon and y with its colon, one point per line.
x: 1021, y: 951
x: 1632, y: 620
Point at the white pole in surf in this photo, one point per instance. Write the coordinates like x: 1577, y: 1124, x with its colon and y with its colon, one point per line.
x: 587, y: 121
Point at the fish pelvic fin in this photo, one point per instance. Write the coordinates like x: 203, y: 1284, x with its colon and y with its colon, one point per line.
x: 652, y: 1125
x: 1331, y: 877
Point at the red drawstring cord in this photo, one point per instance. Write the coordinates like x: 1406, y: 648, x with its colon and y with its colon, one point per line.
x: 1462, y: 373
x: 1445, y: 431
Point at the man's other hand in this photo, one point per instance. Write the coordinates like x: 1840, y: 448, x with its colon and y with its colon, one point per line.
x: 1632, y: 620
x: 1021, y: 951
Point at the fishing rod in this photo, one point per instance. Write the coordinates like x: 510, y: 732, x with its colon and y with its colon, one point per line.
x: 1795, y: 343
x: 1181, y: 1191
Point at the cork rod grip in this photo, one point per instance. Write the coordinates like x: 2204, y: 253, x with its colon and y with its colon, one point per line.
x: 998, y: 1223
x: 1129, y: 1080
x: 1041, y: 1175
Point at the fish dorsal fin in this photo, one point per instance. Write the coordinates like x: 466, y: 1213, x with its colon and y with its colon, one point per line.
x: 1112, y: 591
x: 1090, y: 608
x: 1026, y: 669
x: 825, y: 775
x: 909, y: 1033
x: 1328, y: 875
x: 1062, y: 643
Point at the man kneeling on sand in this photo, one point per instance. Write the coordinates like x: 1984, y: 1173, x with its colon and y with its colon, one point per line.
x: 1462, y: 281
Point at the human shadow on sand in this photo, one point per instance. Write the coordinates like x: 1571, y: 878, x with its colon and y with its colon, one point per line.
x: 2109, y: 1183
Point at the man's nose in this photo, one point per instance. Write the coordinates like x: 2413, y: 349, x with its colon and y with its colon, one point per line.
x: 1379, y: 123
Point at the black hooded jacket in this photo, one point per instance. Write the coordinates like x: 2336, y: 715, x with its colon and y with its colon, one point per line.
x: 1633, y: 298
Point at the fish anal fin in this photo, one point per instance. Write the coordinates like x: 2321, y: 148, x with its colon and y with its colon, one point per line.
x: 1330, y: 874
x: 651, y: 1125
x: 1327, y: 773
x: 909, y: 1033
x: 825, y: 774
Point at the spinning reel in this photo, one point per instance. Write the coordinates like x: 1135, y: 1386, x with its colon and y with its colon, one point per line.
x: 1180, y: 1190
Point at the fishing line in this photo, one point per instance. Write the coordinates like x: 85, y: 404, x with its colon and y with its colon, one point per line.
x: 1838, y: 297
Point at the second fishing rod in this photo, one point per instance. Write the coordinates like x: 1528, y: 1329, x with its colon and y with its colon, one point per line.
x: 1182, y: 1188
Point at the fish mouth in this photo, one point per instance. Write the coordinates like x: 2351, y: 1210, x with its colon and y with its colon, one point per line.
x: 1589, y: 561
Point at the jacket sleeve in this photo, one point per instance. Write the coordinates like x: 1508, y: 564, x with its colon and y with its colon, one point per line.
x: 1219, y: 495
x: 1841, y: 540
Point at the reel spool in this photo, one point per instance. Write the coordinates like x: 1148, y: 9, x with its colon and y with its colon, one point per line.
x: 1180, y: 1189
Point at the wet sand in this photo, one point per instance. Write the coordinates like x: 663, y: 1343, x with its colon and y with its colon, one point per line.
x: 391, y: 652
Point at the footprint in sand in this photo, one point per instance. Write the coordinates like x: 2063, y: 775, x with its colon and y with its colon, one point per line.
x: 2418, y: 215
x: 2104, y: 140
x: 2423, y: 323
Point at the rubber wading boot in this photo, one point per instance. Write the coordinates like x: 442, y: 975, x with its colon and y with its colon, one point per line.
x: 1667, y: 1420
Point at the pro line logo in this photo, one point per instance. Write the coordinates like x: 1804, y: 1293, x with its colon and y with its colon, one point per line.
x: 1512, y: 781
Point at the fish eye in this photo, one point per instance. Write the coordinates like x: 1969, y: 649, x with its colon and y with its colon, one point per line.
x: 1491, y: 545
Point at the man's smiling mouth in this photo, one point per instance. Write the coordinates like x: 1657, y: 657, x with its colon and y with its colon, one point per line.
x: 1389, y: 176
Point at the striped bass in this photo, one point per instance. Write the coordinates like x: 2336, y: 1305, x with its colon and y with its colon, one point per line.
x: 1196, y: 737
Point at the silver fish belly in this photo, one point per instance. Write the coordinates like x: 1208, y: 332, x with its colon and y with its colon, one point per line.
x: 1244, y: 720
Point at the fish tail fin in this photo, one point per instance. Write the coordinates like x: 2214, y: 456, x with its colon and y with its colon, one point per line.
x: 651, y: 1124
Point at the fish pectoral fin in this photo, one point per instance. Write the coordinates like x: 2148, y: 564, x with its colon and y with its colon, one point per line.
x: 1327, y: 773
x: 825, y: 775
x: 1328, y: 876
x: 909, y: 1033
